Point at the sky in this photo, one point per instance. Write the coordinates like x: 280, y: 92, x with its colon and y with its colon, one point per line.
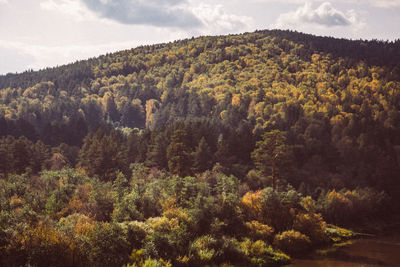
x: 35, y: 34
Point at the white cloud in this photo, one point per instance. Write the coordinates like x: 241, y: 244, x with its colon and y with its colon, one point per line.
x: 375, y: 3
x: 41, y: 56
x: 217, y: 21
x: 287, y: 1
x: 161, y: 13
x: 178, y: 14
x: 3, y: 2
x: 385, y: 3
x: 73, y: 8
x: 323, y: 16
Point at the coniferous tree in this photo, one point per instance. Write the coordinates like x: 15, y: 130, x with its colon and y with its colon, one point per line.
x: 178, y: 154
x: 224, y: 153
x: 202, y: 157
x: 40, y: 156
x: 103, y: 155
x: 157, y: 152
x: 5, y: 158
x: 120, y: 186
x: 272, y: 156
x: 22, y: 154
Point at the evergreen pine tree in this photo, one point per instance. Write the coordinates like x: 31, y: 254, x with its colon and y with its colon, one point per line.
x: 272, y: 156
x: 202, y: 156
x: 178, y: 154
x: 157, y: 155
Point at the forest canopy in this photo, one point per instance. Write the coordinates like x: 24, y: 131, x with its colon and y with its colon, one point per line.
x: 210, y: 150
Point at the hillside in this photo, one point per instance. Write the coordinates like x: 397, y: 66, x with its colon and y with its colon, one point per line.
x: 309, y: 123
x: 333, y: 97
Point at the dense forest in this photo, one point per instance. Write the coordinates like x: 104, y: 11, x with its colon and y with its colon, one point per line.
x: 240, y: 149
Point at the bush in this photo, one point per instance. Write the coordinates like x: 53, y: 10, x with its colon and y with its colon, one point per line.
x: 259, y: 230
x: 156, y: 263
x: 168, y: 240
x: 204, y: 248
x: 313, y: 225
x: 107, y: 245
x: 251, y: 204
x: 255, y: 180
x: 338, y: 234
x: 136, y: 233
x: 40, y: 245
x: 352, y: 207
x: 292, y: 242
x: 259, y: 254
x: 127, y: 208
x: 278, y: 208
x: 339, y: 207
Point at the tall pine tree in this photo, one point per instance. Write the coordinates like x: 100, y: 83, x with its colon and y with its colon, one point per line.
x: 178, y: 154
x: 202, y: 156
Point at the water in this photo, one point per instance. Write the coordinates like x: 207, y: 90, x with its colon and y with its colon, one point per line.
x: 376, y: 251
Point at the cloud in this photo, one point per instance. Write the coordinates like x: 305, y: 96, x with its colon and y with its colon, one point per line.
x: 162, y: 13
x: 178, y: 14
x: 324, y: 16
x: 385, y: 3
x: 3, y: 2
x: 74, y: 8
x: 374, y: 3
x: 20, y: 56
x: 216, y: 20
x: 287, y: 1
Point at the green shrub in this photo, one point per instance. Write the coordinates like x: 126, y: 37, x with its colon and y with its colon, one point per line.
x: 292, y: 242
x: 313, y: 225
x: 259, y: 231
x: 204, y: 248
x: 338, y: 234
x: 260, y: 254
x: 352, y: 207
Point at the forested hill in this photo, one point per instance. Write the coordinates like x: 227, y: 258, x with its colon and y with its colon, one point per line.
x: 210, y: 150
x: 338, y: 101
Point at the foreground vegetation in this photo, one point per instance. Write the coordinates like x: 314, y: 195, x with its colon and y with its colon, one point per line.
x: 242, y: 149
x: 65, y: 218
x: 105, y: 212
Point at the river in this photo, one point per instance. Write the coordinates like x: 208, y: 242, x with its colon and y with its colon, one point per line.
x: 375, y: 251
